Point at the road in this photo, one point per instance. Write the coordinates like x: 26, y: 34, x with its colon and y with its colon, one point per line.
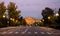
x: 29, y: 31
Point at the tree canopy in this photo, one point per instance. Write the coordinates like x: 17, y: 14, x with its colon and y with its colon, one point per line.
x: 47, y: 12
x: 12, y: 10
x: 2, y: 9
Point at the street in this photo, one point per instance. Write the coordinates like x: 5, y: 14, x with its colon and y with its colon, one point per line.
x: 29, y: 31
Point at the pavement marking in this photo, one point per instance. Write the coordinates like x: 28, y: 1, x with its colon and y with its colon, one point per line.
x: 42, y: 32
x: 23, y: 33
x: 30, y: 26
x: 48, y: 33
x: 3, y: 32
x: 26, y: 30
x: 29, y: 32
x: 10, y: 32
x: 35, y: 32
x: 16, y: 32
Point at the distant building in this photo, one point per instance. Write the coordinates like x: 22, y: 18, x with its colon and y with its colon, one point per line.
x: 30, y: 20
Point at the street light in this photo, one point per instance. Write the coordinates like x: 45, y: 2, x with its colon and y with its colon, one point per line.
x: 11, y: 19
x: 42, y: 20
x: 16, y: 20
x: 56, y: 14
x: 49, y: 17
x: 4, y: 16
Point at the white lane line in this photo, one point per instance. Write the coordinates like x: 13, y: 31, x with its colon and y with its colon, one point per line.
x: 16, y: 32
x: 4, y: 33
x: 24, y: 31
x: 10, y: 32
x: 30, y: 26
x: 42, y: 32
x: 29, y: 32
x: 48, y: 33
x: 36, y: 32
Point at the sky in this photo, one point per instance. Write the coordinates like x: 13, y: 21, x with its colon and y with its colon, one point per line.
x: 34, y: 8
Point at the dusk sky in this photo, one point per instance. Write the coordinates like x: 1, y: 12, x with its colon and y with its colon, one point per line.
x: 33, y: 8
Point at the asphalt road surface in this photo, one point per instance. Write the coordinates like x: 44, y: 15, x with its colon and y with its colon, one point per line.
x: 29, y: 31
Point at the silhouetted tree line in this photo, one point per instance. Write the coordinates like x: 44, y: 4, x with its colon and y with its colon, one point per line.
x: 10, y: 16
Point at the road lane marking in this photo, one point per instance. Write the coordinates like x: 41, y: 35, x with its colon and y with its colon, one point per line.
x: 48, y: 33
x: 29, y: 32
x: 30, y: 26
x: 42, y: 32
x: 26, y: 30
x: 10, y: 32
x: 35, y: 32
x: 16, y: 32
x: 23, y: 33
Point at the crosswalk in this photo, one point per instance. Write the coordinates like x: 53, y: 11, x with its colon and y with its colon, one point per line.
x: 24, y: 31
x: 11, y: 32
x: 35, y: 32
x: 29, y: 32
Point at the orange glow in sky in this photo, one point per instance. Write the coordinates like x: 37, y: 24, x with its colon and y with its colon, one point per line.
x: 30, y: 20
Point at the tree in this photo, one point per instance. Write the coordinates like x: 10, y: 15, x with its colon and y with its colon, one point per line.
x: 22, y: 20
x: 59, y: 11
x: 47, y: 13
x: 58, y: 17
x: 2, y: 9
x: 13, y: 13
x: 3, y: 21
